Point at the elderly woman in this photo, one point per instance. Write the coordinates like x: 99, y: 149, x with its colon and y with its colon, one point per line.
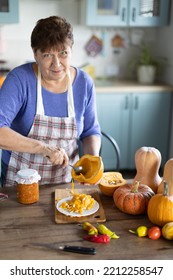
x: 45, y: 107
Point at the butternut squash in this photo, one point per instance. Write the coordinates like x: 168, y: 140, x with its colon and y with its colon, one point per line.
x: 148, y: 161
x: 167, y: 176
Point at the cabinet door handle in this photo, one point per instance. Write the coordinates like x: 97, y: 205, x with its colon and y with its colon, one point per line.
x: 136, y: 103
x: 123, y: 14
x: 133, y: 14
x: 126, y: 104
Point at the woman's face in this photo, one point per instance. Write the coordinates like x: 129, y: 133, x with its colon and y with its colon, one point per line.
x: 54, y: 64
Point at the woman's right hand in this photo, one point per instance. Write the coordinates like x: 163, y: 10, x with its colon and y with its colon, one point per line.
x: 57, y: 156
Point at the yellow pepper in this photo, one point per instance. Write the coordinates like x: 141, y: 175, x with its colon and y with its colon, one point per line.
x: 92, y: 230
x: 141, y: 231
x: 104, y: 230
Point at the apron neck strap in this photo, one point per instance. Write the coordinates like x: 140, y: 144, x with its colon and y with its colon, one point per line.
x: 40, y: 108
x: 70, y: 101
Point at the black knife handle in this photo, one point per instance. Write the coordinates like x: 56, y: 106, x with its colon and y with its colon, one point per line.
x: 80, y: 250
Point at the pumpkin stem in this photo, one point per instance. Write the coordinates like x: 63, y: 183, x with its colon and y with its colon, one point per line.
x: 135, y: 186
x: 166, y: 189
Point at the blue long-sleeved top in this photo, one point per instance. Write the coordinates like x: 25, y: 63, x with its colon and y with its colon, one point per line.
x: 18, y: 103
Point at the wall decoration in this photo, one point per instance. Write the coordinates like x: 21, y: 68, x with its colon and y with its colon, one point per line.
x: 94, y: 46
x: 117, y: 43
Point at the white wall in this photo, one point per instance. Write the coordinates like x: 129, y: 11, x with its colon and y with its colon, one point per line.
x: 15, y: 38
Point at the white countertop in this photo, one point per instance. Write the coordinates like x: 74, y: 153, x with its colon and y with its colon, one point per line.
x: 108, y: 86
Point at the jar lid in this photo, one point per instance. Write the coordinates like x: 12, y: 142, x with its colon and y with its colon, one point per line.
x: 27, y: 176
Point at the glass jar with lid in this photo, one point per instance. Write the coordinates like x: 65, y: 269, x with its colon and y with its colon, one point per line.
x: 27, y: 186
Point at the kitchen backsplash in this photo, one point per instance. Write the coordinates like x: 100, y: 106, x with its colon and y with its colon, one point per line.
x: 113, y: 48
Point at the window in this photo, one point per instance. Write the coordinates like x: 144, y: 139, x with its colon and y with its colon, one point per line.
x: 149, y: 8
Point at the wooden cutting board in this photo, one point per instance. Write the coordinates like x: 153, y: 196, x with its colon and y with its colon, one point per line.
x: 98, y: 216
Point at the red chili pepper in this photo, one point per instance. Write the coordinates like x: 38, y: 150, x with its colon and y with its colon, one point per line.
x: 104, y: 238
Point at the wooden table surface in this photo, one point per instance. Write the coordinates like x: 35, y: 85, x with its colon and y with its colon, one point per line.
x: 20, y: 225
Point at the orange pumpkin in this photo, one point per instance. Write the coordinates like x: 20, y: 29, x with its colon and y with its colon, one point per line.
x: 148, y: 161
x: 168, y: 177
x: 110, y: 181
x: 160, y: 207
x: 93, y: 167
x: 133, y: 198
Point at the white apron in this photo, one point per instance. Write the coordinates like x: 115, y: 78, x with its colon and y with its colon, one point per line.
x: 55, y: 131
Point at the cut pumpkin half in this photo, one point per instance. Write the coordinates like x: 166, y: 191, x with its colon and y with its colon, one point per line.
x: 93, y: 169
x: 110, y: 182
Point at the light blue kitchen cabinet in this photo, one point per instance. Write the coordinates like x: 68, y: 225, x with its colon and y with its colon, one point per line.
x: 9, y: 11
x: 106, y: 13
x: 127, y: 12
x: 150, y: 123
x: 114, y: 117
x: 134, y: 120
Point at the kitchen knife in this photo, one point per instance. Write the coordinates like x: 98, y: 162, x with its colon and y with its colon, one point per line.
x: 68, y: 248
x: 78, y: 249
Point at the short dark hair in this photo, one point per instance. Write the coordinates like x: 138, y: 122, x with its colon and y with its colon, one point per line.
x: 51, y: 32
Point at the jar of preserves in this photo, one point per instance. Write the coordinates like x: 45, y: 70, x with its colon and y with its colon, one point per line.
x: 27, y: 186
